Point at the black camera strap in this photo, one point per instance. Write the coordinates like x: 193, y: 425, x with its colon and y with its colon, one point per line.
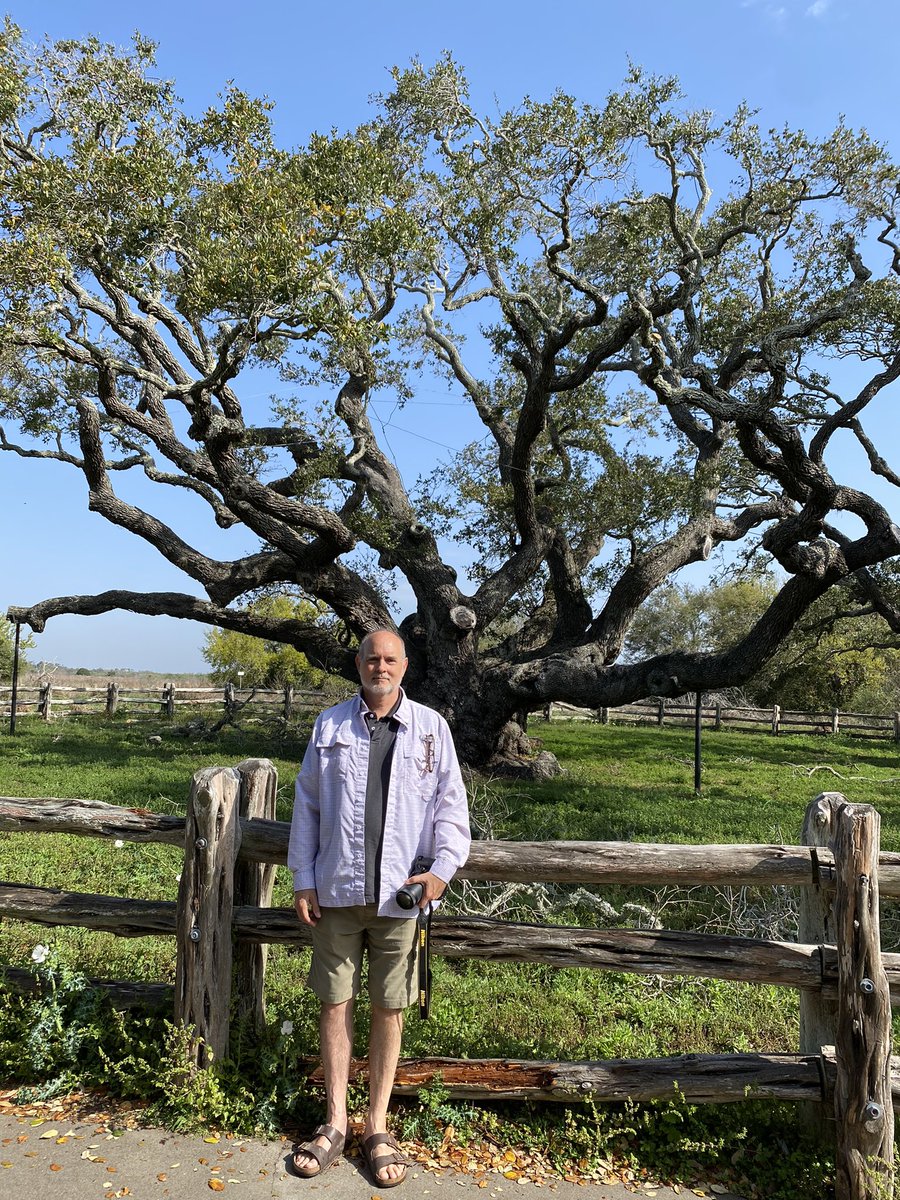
x: 423, y: 942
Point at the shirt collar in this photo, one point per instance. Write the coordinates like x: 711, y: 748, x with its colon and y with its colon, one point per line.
x: 400, y: 711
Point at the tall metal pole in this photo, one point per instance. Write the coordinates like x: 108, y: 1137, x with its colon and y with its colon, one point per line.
x: 15, y: 682
x: 698, y: 719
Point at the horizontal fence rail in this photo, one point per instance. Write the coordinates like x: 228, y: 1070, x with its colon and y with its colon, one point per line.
x: 635, y: 951
x: 223, y: 921
x: 621, y: 863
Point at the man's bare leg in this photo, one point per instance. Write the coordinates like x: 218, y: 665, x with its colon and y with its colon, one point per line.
x: 336, y: 1038
x: 384, y: 1053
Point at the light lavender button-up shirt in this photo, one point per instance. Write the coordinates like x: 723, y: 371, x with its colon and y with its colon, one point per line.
x: 427, y: 811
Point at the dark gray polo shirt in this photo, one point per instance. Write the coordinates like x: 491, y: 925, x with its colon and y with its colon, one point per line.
x: 382, y: 736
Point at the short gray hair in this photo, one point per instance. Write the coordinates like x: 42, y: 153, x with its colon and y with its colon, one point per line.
x: 363, y: 645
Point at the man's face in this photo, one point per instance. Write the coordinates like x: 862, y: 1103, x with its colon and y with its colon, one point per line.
x: 382, y: 664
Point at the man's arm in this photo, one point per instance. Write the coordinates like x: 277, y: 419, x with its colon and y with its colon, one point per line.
x: 303, y: 845
x: 451, y: 820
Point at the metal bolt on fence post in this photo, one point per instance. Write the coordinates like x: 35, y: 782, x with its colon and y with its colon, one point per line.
x: 866, y: 986
x: 201, y: 843
x: 873, y: 1111
x: 195, y: 934
x: 585, y: 1086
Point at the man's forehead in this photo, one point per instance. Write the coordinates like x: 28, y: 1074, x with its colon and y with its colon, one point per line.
x: 383, y: 643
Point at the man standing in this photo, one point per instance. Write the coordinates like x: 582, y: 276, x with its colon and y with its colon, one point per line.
x: 379, y: 787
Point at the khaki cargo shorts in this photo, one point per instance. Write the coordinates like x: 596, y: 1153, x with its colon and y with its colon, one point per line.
x: 339, y: 938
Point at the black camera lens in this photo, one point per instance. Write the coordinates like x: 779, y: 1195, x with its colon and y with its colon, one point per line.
x: 409, y: 895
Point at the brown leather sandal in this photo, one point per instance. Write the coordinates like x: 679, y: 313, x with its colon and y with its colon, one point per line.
x: 378, y: 1162
x: 324, y: 1156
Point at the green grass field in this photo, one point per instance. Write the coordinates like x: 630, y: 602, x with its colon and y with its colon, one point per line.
x: 620, y: 783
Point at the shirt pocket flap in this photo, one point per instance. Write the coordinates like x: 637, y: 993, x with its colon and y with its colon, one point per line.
x: 333, y: 736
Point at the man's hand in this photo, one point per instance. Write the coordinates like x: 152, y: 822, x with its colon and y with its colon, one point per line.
x: 306, y: 903
x: 433, y: 887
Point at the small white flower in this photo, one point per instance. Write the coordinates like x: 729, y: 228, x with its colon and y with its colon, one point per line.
x: 178, y: 878
x: 40, y: 953
x: 118, y: 843
x: 287, y: 1028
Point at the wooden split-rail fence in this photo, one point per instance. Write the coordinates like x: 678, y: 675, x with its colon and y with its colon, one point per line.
x: 775, y: 719
x: 223, y: 921
x: 49, y: 699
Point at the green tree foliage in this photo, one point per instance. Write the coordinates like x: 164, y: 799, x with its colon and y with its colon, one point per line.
x: 639, y: 303
x: 840, y: 655
x: 702, y: 619
x: 7, y: 649
x: 264, y: 663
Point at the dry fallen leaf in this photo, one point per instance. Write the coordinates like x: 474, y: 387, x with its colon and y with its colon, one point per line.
x: 5, y: 1164
x: 50, y: 1133
x: 215, y: 1185
x: 162, y: 1177
x: 212, y: 1140
x: 55, y: 1167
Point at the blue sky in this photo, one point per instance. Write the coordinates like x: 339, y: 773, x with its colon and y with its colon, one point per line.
x: 801, y: 62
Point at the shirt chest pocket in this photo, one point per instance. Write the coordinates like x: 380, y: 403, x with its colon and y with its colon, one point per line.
x: 335, y: 760
x: 417, y: 759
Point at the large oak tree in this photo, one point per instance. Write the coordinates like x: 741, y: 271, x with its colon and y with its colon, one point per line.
x: 641, y: 304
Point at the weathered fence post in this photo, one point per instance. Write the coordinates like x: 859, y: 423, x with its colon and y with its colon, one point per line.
x: 45, y: 701
x: 818, y: 1014
x: 229, y: 698
x: 661, y: 711
x: 776, y: 718
x: 897, y: 726
x: 253, y: 883
x: 112, y: 698
x: 835, y: 722
x: 718, y: 724
x: 604, y: 715
x: 170, y: 699
x: 288, y: 701
x: 862, y: 1094
x: 205, y: 906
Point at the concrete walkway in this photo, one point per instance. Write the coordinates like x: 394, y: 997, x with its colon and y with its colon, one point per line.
x: 58, y: 1160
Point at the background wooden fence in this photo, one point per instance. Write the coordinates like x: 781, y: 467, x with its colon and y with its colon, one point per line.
x: 223, y: 922
x: 50, y: 699
x: 662, y: 711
